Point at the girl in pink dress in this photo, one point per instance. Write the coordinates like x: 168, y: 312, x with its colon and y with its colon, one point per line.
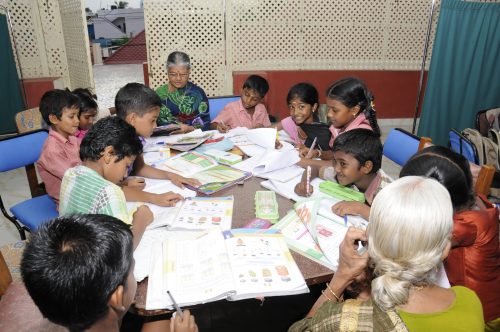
x: 88, y: 111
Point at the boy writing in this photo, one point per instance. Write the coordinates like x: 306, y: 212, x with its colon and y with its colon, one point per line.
x: 59, y: 109
x: 248, y: 111
x: 357, y: 160
x: 78, y: 270
x: 107, y: 151
x: 140, y: 106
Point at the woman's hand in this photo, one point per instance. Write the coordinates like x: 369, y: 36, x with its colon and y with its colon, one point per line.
x: 351, y: 263
x: 183, y: 129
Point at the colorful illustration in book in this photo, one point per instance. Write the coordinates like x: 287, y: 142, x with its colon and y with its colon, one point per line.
x: 253, y: 275
x: 266, y: 273
x: 283, y: 273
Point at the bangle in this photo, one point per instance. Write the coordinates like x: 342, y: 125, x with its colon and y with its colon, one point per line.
x: 331, y: 291
x: 323, y: 292
x: 319, y: 153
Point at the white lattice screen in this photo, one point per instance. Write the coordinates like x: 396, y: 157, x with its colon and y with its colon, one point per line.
x: 51, y: 40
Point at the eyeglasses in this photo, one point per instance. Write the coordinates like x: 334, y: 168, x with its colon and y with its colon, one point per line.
x: 175, y: 75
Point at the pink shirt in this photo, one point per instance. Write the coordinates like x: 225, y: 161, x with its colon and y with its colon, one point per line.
x: 235, y: 115
x: 360, y: 122
x: 80, y: 134
x: 291, y: 129
x: 58, y: 154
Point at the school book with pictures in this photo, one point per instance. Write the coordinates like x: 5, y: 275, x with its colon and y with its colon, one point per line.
x: 236, y: 264
x: 212, y: 176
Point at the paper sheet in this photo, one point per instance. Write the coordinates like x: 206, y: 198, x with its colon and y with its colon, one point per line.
x: 287, y: 189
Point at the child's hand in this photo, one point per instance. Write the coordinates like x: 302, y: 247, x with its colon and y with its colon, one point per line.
x: 301, y: 189
x: 166, y: 199
x: 184, y: 324
x: 352, y: 208
x: 134, y: 182
x: 222, y: 127
x: 142, y: 216
x: 277, y: 144
x: 179, y: 181
x: 259, y: 125
x: 303, y: 150
x: 183, y: 129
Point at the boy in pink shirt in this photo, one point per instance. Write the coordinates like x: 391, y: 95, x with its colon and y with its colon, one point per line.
x: 248, y: 111
x: 61, y: 150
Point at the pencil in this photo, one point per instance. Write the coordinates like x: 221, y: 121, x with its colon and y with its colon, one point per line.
x: 177, y: 308
x: 313, y: 145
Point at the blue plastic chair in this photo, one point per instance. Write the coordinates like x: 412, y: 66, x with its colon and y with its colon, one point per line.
x: 401, y: 145
x: 461, y: 144
x: 216, y: 104
x: 15, y: 152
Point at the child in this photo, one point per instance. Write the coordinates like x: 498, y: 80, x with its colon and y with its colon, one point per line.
x: 350, y: 106
x: 248, y: 111
x: 139, y: 106
x: 107, y: 150
x: 59, y: 109
x: 474, y: 260
x: 78, y: 270
x: 303, y: 125
x: 357, y: 158
x: 88, y: 111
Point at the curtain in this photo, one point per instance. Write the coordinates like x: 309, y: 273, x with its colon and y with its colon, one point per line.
x: 10, y: 90
x: 464, y: 75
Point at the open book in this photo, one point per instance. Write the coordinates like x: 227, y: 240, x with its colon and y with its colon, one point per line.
x: 312, y: 230
x: 234, y: 265
x: 212, y: 176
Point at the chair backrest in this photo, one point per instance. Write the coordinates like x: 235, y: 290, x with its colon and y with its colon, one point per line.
x: 216, y: 104
x: 461, y: 144
x: 400, y: 145
x: 21, y: 150
x: 29, y: 120
x: 484, y: 179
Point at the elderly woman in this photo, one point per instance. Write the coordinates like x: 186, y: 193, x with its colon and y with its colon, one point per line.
x: 408, y: 235
x: 183, y: 102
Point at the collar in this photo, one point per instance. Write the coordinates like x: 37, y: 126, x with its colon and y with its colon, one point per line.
x: 71, y: 139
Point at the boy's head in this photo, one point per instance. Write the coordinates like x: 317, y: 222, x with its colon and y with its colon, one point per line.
x: 356, y: 153
x: 253, y: 91
x: 88, y: 107
x: 77, y: 268
x: 59, y: 109
x: 140, y: 106
x: 114, y: 144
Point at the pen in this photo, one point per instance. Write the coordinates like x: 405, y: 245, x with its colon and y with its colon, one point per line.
x: 313, y: 145
x: 160, y: 143
x: 308, y: 179
x: 345, y: 220
x: 361, y: 249
x: 179, y: 311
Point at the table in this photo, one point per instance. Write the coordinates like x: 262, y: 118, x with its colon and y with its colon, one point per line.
x: 244, y: 210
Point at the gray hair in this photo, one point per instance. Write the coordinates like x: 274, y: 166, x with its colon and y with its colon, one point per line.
x: 178, y: 58
x: 410, y: 225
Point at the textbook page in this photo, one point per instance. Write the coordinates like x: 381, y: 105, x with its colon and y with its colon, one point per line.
x: 270, y: 160
x: 299, y: 239
x: 201, y: 213
x: 262, y: 264
x: 264, y: 137
x: 193, y: 270
x: 188, y: 163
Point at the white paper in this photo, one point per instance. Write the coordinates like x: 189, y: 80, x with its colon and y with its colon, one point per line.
x: 287, y: 189
x: 264, y: 137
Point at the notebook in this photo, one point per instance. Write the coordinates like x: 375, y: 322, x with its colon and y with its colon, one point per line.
x: 212, y: 176
x: 236, y: 264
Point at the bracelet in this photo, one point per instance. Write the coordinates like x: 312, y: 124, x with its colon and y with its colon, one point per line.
x: 319, y: 154
x: 331, y: 291
x: 323, y: 292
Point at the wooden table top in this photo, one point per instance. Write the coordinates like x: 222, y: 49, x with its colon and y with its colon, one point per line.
x: 244, y: 210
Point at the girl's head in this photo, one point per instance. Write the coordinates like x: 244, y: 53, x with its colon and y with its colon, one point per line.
x: 409, y: 235
x: 88, y: 107
x: 346, y: 100
x: 449, y: 168
x: 302, y: 100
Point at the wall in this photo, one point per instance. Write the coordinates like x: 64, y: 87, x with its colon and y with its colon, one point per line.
x: 395, y: 91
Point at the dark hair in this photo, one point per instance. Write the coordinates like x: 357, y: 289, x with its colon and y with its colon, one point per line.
x: 54, y: 101
x: 307, y: 93
x: 362, y: 144
x: 257, y: 83
x: 73, y: 264
x: 110, y: 131
x: 135, y: 98
x: 352, y: 91
x: 448, y: 168
x: 87, y: 100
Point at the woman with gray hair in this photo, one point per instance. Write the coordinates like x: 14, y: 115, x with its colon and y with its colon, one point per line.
x: 408, y: 236
x: 183, y: 102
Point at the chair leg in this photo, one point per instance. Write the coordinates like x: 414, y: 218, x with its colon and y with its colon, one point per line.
x: 20, y: 228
